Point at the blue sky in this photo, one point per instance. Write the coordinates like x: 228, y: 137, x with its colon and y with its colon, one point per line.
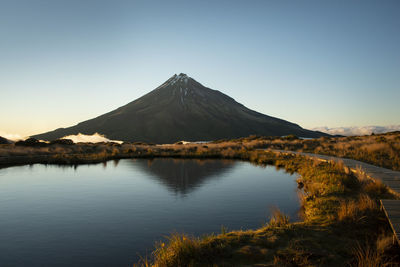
x: 315, y: 63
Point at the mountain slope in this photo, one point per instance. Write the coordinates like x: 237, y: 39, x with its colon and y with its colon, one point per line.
x: 4, y: 140
x: 182, y: 109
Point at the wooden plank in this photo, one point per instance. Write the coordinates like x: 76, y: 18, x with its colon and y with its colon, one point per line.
x: 395, y: 221
x: 390, y: 201
x: 392, y: 212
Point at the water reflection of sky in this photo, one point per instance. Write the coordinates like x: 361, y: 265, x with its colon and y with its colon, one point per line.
x: 104, y: 214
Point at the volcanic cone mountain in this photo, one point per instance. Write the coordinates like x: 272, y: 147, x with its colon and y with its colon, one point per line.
x: 182, y: 109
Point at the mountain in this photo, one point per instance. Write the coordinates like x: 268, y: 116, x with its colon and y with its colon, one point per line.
x: 182, y: 109
x: 4, y: 141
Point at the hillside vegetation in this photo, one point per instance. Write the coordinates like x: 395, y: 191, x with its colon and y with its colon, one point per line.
x: 381, y: 150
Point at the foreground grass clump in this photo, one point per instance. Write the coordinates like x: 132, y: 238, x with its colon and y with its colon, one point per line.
x: 342, y: 225
x: 375, y: 255
x: 278, y: 219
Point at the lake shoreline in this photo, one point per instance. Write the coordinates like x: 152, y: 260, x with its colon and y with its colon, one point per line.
x: 382, y: 150
x: 342, y: 218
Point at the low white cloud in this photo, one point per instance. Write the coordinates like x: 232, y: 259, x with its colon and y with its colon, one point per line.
x: 94, y: 138
x: 11, y: 136
x: 363, y: 130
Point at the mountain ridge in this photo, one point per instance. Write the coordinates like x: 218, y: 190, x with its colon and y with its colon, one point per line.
x: 182, y: 109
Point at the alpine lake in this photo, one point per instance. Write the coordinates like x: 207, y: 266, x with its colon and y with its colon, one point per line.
x: 112, y: 214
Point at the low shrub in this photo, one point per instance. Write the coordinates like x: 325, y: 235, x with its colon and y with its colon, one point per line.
x: 31, y: 142
x: 62, y: 142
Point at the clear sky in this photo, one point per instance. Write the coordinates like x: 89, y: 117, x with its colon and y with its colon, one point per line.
x: 315, y: 63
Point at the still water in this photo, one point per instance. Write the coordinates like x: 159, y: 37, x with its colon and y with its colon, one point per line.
x: 110, y: 214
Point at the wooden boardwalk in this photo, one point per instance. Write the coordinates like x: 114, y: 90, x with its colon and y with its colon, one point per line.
x: 392, y: 210
x: 389, y: 177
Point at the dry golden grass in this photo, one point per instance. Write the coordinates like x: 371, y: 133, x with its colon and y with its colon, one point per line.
x: 383, y: 243
x: 356, y: 210
x: 367, y: 257
x: 181, y: 250
x: 374, y: 255
x: 382, y: 150
x: 375, y: 188
x: 278, y: 219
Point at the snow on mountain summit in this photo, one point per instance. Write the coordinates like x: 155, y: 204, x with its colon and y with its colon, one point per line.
x: 179, y: 78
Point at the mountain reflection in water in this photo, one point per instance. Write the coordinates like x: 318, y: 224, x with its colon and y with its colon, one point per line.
x: 109, y: 214
x: 183, y: 176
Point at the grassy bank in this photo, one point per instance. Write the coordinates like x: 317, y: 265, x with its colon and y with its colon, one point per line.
x: 381, y: 150
x: 342, y: 225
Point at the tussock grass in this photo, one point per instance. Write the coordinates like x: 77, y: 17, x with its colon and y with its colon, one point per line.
x: 278, y: 219
x: 367, y: 256
x: 376, y: 188
x: 375, y: 254
x: 181, y: 250
x: 381, y: 150
x: 357, y: 210
x: 340, y: 226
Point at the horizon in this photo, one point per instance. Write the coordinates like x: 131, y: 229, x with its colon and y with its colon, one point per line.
x: 316, y: 64
x: 344, y: 131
